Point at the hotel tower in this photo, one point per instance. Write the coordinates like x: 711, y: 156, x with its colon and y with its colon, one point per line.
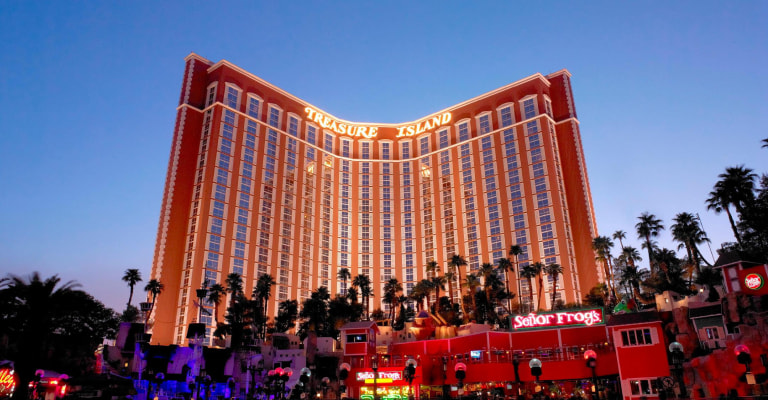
x: 260, y: 181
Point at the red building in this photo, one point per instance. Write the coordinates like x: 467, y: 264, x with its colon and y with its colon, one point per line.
x: 262, y: 182
x: 629, y: 351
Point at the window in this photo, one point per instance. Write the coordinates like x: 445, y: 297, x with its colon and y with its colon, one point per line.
x: 405, y: 150
x: 254, y: 105
x: 463, y: 131
x: 233, y: 95
x: 443, y: 138
x: 642, y: 387
x: 274, y: 117
x: 484, y: 123
x: 529, y: 108
x: 507, y: 117
x: 636, y: 337
x: 386, y: 148
x: 424, y: 145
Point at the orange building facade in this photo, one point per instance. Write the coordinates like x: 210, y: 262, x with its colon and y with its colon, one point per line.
x: 260, y: 181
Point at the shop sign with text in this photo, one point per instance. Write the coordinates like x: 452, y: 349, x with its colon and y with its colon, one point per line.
x: 384, y: 376
x: 559, y: 319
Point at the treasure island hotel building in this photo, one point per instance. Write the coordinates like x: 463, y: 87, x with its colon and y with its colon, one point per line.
x: 260, y: 181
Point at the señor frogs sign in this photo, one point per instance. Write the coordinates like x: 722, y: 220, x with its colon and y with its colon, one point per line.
x: 559, y: 318
x: 754, y: 281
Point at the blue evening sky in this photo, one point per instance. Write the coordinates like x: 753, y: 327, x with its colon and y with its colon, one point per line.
x: 668, y: 95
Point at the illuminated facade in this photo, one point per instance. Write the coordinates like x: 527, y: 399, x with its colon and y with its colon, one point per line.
x: 260, y: 181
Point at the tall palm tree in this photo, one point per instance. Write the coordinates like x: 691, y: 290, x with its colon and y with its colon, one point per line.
x: 602, y: 247
x: 234, y: 287
x: 438, y: 284
x: 620, y: 236
x: 529, y: 272
x: 538, y: 266
x: 433, y: 270
x: 132, y: 276
x: 487, y: 271
x: 514, y: 252
x: 263, y: 290
x: 472, y: 282
x: 505, y: 266
x: 457, y: 261
x: 553, y: 270
x: 735, y: 188
x: 363, y: 283
x: 215, y: 292
x: 390, y: 296
x: 648, y: 227
x: 421, y: 291
x: 687, y: 231
x: 344, y: 275
x: 154, y: 287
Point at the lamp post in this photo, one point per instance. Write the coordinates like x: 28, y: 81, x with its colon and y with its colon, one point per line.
x: 324, y: 384
x: 343, y: 375
x: 677, y: 356
x: 304, y: 379
x: 516, y: 365
x: 590, y: 356
x: 461, y: 372
x: 375, y: 368
x: 410, y: 373
x: 535, y: 366
x: 744, y: 356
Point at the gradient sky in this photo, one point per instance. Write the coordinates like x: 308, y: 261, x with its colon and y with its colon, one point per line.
x: 668, y: 94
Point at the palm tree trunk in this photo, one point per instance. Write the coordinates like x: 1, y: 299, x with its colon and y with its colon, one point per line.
x: 130, y: 296
x: 541, y: 289
x: 554, y: 291
x: 530, y: 294
x: 733, y: 224
x: 509, y: 294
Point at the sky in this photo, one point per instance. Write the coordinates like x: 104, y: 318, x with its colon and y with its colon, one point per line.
x: 668, y: 95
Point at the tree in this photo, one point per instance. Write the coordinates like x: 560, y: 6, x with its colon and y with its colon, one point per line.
x: 132, y: 276
x: 538, y: 266
x: 529, y: 272
x: 263, y: 290
x: 234, y: 286
x: 620, y: 236
x: 472, y: 283
x: 363, y: 283
x: 648, y: 227
x: 514, y: 252
x: 687, y: 231
x: 597, y: 296
x: 505, y: 266
x: 390, y: 296
x: 344, y: 275
x: 457, y: 261
x: 50, y: 324
x: 602, y: 247
x: 753, y: 226
x: 735, y: 188
x: 710, y: 278
x: 765, y: 143
x: 421, y: 291
x: 153, y: 287
x: 314, y: 312
x: 287, y: 314
x: 214, y: 296
x: 438, y: 284
x: 554, y: 270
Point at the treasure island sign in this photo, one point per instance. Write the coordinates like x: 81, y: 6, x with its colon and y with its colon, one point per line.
x: 559, y: 319
x: 369, y: 132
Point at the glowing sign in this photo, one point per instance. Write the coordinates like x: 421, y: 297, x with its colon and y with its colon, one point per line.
x: 423, y: 126
x: 564, y: 318
x: 340, y: 127
x: 384, y: 376
x: 754, y: 281
x: 7, y: 382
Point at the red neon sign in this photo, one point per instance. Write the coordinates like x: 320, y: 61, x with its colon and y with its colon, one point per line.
x: 561, y: 318
x: 7, y: 382
x: 753, y: 281
x: 366, y: 375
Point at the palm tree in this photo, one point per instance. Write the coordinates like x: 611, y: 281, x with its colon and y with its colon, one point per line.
x: 472, y: 283
x: 420, y: 292
x: 765, y: 143
x: 487, y: 270
x: 602, y: 247
x: 153, y: 287
x: 214, y: 296
x: 457, y: 261
x: 263, y: 290
x: 553, y: 270
x: 648, y: 227
x: 529, y: 272
x: 710, y: 278
x: 538, y: 266
x: 735, y: 188
x: 505, y: 266
x: 363, y: 283
x: 620, y: 235
x: 344, y: 275
x: 391, y: 289
x: 688, y: 232
x: 234, y: 287
x: 515, y: 251
x: 438, y: 284
x: 132, y: 276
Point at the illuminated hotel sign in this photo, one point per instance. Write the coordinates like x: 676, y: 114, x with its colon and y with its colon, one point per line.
x: 423, y: 126
x: 340, y: 127
x: 384, y: 376
x: 754, y: 281
x: 558, y: 319
x: 369, y: 132
x: 7, y: 382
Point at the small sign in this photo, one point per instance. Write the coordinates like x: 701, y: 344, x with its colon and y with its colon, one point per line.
x: 559, y: 318
x: 754, y: 281
x: 475, y: 353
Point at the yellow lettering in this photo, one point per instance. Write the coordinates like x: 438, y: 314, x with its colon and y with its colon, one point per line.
x: 333, y: 126
x: 446, y: 118
x: 326, y: 122
x: 309, y: 111
x: 372, y: 132
x: 319, y: 118
x: 409, y: 130
x: 361, y: 131
x: 436, y: 121
x: 342, y: 128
